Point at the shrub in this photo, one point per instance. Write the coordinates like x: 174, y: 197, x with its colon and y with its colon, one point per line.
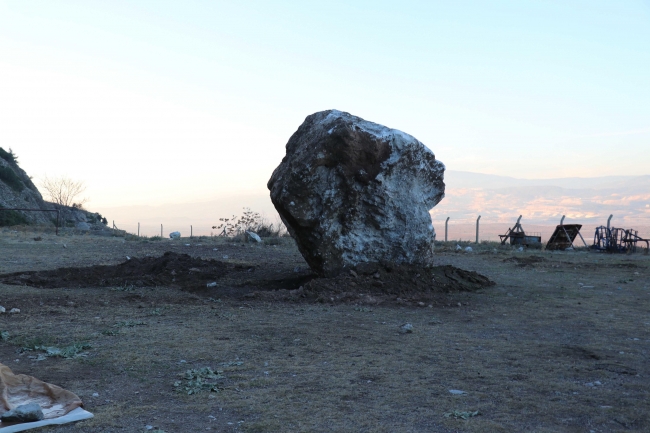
x: 8, y: 176
x: 249, y: 221
x: 10, y: 157
x: 12, y: 218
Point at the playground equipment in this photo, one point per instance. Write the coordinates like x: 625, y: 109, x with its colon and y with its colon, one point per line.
x: 518, y: 236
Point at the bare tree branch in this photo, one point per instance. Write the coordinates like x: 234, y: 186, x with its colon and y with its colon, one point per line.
x: 64, y: 191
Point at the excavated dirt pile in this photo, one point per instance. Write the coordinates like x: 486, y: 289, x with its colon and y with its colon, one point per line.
x: 171, y: 269
x: 377, y: 284
x: 370, y: 284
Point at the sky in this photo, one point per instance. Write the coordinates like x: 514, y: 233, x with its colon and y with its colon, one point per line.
x: 152, y: 102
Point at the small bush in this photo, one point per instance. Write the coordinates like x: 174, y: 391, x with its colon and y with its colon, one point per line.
x: 12, y: 218
x: 249, y: 221
x: 10, y: 157
x: 12, y: 180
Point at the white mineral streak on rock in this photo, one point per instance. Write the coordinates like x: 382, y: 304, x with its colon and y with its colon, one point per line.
x: 352, y: 191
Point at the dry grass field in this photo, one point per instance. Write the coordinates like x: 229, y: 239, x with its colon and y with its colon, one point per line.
x: 561, y: 343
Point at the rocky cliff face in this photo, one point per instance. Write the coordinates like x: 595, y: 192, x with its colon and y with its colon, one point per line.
x: 17, y: 191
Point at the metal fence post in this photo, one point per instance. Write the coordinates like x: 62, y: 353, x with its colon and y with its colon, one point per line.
x: 161, y: 231
x: 58, y: 214
x: 446, y: 223
x: 138, y: 229
x: 609, y: 232
x: 477, y: 220
x: 191, y: 232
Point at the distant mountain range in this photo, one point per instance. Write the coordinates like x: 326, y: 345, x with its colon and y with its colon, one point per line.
x: 544, y: 201
x: 498, y: 199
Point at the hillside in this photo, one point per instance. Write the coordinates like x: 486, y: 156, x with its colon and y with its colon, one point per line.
x: 17, y: 191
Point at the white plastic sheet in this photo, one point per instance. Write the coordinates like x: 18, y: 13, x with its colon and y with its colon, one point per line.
x: 59, y: 406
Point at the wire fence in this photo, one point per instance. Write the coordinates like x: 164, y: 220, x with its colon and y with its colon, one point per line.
x: 488, y: 229
x: 165, y: 229
x: 456, y: 229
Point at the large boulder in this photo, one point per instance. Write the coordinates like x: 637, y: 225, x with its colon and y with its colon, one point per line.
x: 353, y: 192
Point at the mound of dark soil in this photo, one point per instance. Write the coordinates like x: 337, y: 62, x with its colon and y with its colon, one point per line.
x: 369, y: 284
x: 377, y: 284
x: 171, y: 269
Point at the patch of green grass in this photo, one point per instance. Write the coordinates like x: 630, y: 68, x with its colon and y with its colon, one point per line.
x: 198, y: 380
x: 42, y: 344
x: 72, y: 351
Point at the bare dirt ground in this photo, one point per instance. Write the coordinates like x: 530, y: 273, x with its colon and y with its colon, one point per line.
x: 559, y: 344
